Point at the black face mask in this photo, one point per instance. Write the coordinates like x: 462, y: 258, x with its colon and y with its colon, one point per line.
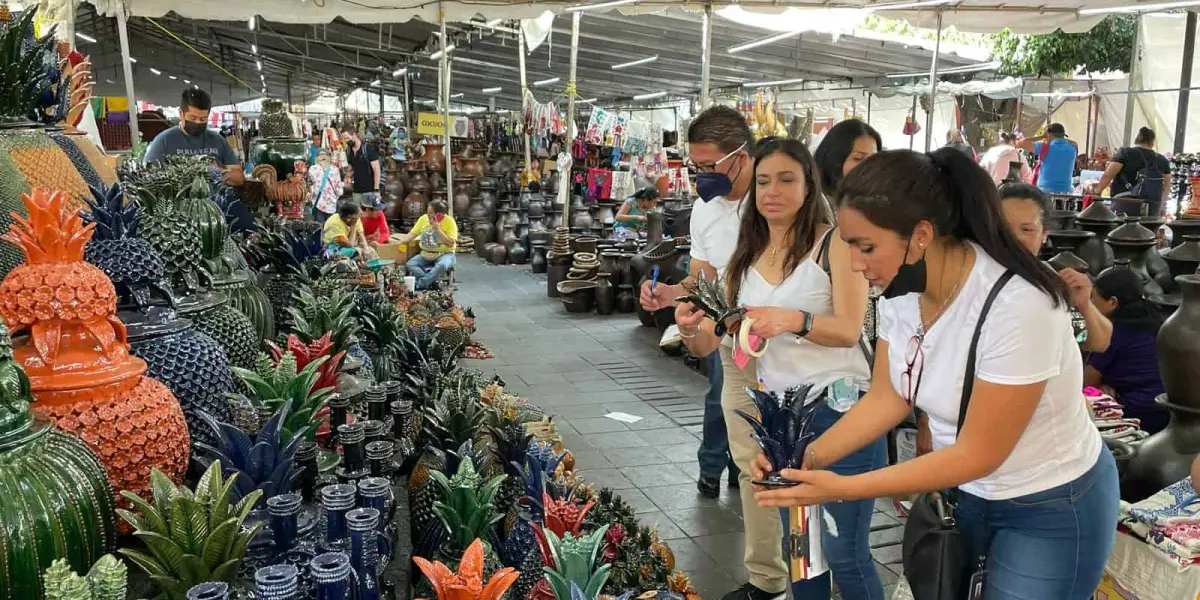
x: 191, y: 128
x: 909, y: 279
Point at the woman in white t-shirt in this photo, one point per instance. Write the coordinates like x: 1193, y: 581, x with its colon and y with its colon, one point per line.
x: 1039, y: 490
x: 792, y: 274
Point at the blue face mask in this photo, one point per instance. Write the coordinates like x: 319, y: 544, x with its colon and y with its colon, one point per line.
x: 714, y: 184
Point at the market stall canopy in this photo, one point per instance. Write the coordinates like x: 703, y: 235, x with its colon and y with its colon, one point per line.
x: 1022, y: 16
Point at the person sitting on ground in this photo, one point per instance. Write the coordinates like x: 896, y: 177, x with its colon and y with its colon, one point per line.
x: 631, y: 217
x: 344, y: 231
x: 374, y: 222
x: 436, y: 234
x: 1024, y: 208
x: 1056, y: 154
x: 1136, y: 164
x: 1128, y: 370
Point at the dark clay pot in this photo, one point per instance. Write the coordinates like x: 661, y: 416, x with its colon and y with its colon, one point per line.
x: 1069, y: 240
x: 537, y: 262
x: 577, y: 296
x: 554, y: 275
x: 482, y: 235
x: 1181, y: 228
x: 414, y: 205
x: 462, y: 204
x: 497, y: 254
x: 1184, y: 259
x: 625, y: 298
x: 1132, y: 241
x: 606, y: 298
x: 1166, y: 457
x: 508, y: 238
x: 1098, y: 255
x: 517, y: 255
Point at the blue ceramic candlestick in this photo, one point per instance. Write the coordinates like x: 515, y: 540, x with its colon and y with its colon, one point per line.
x: 331, y: 572
x: 209, y: 590
x: 285, y: 511
x: 364, y: 550
x: 376, y: 493
x: 277, y: 582
x: 336, y: 500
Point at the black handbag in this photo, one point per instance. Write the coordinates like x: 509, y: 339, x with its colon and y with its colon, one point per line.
x: 932, y: 550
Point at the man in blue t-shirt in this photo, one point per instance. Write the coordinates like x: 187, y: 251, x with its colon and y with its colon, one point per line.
x: 193, y: 137
x: 1058, y: 163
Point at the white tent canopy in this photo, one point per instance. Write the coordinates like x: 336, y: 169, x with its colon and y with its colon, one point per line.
x: 1023, y: 16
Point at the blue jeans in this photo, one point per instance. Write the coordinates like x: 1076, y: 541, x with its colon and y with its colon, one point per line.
x: 714, y: 442
x: 1049, y: 545
x: 428, y: 271
x: 849, y: 552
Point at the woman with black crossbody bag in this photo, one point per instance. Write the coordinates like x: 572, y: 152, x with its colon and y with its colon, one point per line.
x: 1019, y: 497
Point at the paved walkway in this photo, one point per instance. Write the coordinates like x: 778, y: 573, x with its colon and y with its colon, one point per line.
x: 581, y: 367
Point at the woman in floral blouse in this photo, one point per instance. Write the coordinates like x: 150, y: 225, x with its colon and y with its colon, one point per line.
x: 326, y: 181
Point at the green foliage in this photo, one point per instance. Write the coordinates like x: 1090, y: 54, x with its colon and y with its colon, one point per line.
x: 280, y: 386
x: 312, y: 317
x: 1107, y: 47
x: 574, y: 562
x: 469, y: 510
x: 192, y: 537
x: 22, y: 78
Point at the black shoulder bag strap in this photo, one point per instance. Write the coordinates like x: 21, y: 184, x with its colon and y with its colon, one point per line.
x: 969, y: 376
x: 823, y: 260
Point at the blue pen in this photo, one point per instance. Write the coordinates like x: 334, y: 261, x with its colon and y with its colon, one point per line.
x: 653, y: 279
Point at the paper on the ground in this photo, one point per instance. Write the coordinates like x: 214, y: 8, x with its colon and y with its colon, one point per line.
x: 623, y: 417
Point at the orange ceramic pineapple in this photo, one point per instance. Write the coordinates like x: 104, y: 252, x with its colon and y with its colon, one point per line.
x: 74, y: 350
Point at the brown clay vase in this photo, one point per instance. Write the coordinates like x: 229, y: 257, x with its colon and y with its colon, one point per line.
x: 435, y: 159
x: 76, y: 353
x: 462, y: 203
x: 414, y: 205
x: 497, y: 254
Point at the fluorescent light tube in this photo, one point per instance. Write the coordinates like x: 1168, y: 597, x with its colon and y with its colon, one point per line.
x: 494, y: 22
x: 599, y: 5
x: 132, y: 59
x: 764, y: 41
x: 375, y: 83
x: 258, y: 63
x: 494, y: 90
x: 438, y: 54
x: 253, y: 23
x: 155, y: 71
x: 172, y: 77
x: 634, y: 63
x: 458, y: 95
x: 650, y: 96
x: 759, y: 84
x: 1134, y: 8
x: 85, y: 37
x: 545, y: 82
x: 187, y: 81
x: 400, y: 71
x: 588, y: 101
x: 254, y: 48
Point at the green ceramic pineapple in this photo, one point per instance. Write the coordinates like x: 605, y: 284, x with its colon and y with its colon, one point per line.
x: 176, y: 238
x: 107, y: 580
x: 129, y: 260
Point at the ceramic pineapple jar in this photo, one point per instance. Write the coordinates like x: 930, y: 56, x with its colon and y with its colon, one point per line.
x: 57, y: 500
x: 189, y: 362
x: 76, y: 352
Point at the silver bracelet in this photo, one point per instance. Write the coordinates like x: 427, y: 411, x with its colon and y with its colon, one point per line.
x: 686, y: 336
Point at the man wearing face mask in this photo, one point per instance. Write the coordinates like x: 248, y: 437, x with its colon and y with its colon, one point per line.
x: 364, y: 161
x: 720, y: 147
x: 193, y: 138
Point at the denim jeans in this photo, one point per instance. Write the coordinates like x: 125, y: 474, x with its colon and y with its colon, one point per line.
x: 1049, y: 545
x: 714, y: 442
x: 427, y: 271
x: 848, y: 554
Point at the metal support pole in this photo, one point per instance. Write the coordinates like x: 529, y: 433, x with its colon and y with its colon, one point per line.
x: 524, y: 96
x: 705, y: 56
x: 566, y: 177
x: 445, y: 69
x: 1135, y: 75
x: 127, y: 65
x: 287, y: 79
x: 933, y: 81
x: 407, y: 100
x: 381, y: 103
x: 912, y: 138
x: 869, y: 107
x: 1185, y: 81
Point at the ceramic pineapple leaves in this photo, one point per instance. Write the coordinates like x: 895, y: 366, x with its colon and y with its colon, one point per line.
x: 467, y: 584
x: 783, y: 427
x: 52, y: 233
x: 572, y: 560
x: 709, y: 297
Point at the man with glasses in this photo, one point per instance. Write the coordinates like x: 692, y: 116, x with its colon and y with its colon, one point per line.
x: 194, y: 138
x: 720, y: 147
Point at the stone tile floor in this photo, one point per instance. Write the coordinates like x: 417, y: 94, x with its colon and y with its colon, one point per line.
x: 581, y: 367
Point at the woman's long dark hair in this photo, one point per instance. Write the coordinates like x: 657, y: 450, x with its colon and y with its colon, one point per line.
x: 754, y: 235
x: 1133, y: 310
x: 833, y: 151
x: 898, y: 189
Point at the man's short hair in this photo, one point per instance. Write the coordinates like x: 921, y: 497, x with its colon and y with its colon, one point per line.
x: 195, y: 98
x: 348, y: 209
x: 723, y: 127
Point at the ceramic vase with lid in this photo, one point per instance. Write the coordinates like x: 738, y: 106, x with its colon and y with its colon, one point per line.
x: 77, y: 355
x: 1100, y: 220
x: 1131, y: 241
x: 1184, y: 259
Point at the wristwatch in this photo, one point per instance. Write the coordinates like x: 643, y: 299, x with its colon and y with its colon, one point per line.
x: 807, y: 326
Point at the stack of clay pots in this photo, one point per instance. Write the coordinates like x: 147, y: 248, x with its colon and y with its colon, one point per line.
x: 558, y: 260
x: 584, y: 266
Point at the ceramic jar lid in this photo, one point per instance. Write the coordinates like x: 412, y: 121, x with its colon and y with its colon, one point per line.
x: 1131, y: 233
x: 1098, y: 212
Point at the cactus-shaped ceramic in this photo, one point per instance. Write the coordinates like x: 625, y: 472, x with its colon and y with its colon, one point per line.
x: 55, y: 500
x: 783, y: 429
x: 76, y: 354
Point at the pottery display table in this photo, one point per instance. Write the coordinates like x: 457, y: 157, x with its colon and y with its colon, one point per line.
x: 1138, y: 571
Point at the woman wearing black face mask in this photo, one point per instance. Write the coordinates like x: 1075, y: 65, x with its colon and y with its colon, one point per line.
x: 1038, y: 489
